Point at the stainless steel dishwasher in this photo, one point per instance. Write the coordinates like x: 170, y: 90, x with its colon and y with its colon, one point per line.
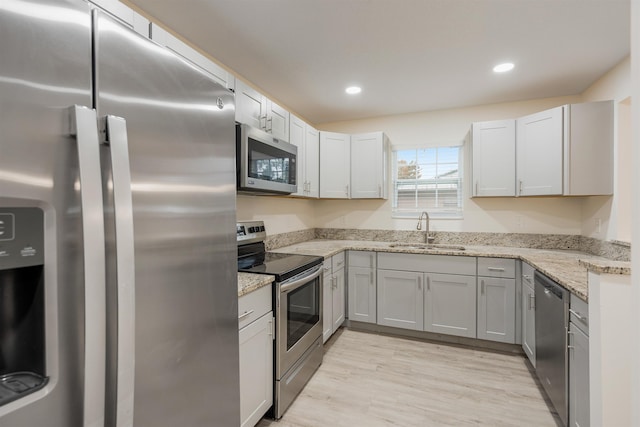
x: 552, y: 321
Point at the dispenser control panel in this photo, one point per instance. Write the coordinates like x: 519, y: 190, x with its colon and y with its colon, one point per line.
x: 21, y: 237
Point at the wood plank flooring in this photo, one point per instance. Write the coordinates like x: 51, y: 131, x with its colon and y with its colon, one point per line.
x: 370, y: 380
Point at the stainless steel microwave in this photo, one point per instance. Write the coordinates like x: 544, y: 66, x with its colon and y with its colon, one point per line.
x: 264, y: 164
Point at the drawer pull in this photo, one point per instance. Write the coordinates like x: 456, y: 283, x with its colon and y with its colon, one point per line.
x: 495, y: 269
x: 577, y: 314
x: 245, y: 314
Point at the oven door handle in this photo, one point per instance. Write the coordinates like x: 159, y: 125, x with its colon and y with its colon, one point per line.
x: 284, y: 288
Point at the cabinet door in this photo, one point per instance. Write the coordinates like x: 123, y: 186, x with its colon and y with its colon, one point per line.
x: 338, y: 299
x: 327, y: 302
x: 400, y: 299
x: 497, y: 309
x: 194, y: 57
x: 450, y: 304
x: 277, y: 121
x: 539, y: 147
x: 251, y: 106
x: 529, y: 322
x: 335, y: 165
x: 297, y: 133
x: 367, y: 166
x: 362, y: 294
x: 256, y: 369
x: 312, y: 161
x: 579, y: 413
x: 494, y: 158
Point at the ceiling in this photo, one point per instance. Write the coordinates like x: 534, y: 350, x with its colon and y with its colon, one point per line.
x: 407, y: 55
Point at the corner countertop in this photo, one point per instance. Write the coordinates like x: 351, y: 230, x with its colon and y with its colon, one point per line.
x: 248, y: 282
x: 568, y: 268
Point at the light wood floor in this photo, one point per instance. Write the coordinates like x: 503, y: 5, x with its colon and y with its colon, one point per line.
x: 370, y: 380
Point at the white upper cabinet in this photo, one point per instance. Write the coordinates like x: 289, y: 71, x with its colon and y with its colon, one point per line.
x: 369, y: 166
x: 312, y: 161
x: 335, y: 163
x: 126, y: 15
x: 307, y: 139
x: 216, y: 72
x: 251, y: 106
x: 588, y: 149
x: 493, y: 158
x: 539, y: 150
x: 255, y: 109
x: 297, y: 135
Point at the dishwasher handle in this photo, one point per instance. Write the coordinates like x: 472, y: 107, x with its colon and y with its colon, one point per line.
x: 551, y: 288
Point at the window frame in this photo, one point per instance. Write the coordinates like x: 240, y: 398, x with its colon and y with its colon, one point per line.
x: 456, y: 213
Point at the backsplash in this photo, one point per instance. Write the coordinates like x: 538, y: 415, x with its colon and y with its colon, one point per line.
x: 618, y: 251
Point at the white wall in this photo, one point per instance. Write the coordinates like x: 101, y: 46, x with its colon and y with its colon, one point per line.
x: 280, y: 214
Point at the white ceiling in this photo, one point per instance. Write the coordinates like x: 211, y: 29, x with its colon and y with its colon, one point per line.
x: 408, y: 55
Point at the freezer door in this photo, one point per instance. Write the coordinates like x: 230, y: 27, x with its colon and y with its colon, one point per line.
x: 45, y: 69
x: 181, y: 134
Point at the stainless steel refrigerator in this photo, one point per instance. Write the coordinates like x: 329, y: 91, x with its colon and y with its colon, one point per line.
x: 118, y: 293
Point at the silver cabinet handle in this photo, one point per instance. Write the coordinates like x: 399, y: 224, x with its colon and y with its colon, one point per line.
x: 371, y: 260
x: 500, y: 269
x: 245, y: 314
x: 270, y: 121
x: 419, y: 283
x: 577, y: 314
x: 476, y: 192
x: 532, y: 302
x: 347, y: 190
x: 84, y: 126
x: 261, y: 118
x: 271, y: 322
x: 481, y: 287
x: 520, y: 192
x: 115, y: 132
x: 570, y: 345
x: 379, y: 190
x: 371, y: 277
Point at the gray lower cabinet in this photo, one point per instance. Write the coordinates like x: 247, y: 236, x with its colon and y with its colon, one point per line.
x: 528, y: 313
x: 362, y: 286
x: 579, y: 409
x: 400, y: 299
x: 497, y: 299
x: 256, y: 337
x: 497, y: 309
x: 450, y: 304
x: 333, y: 295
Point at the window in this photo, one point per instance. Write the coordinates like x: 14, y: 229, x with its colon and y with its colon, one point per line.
x: 427, y: 179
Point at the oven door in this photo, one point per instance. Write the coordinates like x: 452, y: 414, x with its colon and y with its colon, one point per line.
x: 266, y: 164
x: 299, y: 318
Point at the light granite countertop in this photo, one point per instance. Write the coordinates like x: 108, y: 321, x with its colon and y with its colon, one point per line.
x: 568, y: 268
x: 248, y: 282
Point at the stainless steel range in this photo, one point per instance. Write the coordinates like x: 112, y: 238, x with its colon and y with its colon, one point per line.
x: 298, y: 308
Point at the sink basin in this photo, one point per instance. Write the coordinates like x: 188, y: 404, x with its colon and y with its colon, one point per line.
x: 426, y: 246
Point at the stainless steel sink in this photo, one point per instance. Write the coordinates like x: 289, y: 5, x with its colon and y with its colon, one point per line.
x: 426, y: 246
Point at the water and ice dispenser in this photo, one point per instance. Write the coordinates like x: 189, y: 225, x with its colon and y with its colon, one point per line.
x: 22, y: 303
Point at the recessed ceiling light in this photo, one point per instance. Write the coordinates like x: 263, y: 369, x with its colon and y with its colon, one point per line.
x: 352, y: 90
x: 503, y: 68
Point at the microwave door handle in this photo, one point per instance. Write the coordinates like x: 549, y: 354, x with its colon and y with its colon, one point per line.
x: 300, y: 282
x: 84, y: 126
x: 115, y: 131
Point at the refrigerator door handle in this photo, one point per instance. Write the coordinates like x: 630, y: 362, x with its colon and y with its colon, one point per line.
x: 84, y: 126
x: 115, y: 129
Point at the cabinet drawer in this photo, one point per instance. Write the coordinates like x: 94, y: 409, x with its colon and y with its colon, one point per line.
x: 527, y: 274
x: 445, y: 264
x: 326, y: 267
x: 254, y: 305
x: 337, y: 261
x: 497, y: 267
x: 362, y: 259
x: 579, y: 311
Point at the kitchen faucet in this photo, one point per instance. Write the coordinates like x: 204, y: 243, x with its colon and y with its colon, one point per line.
x: 425, y: 215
